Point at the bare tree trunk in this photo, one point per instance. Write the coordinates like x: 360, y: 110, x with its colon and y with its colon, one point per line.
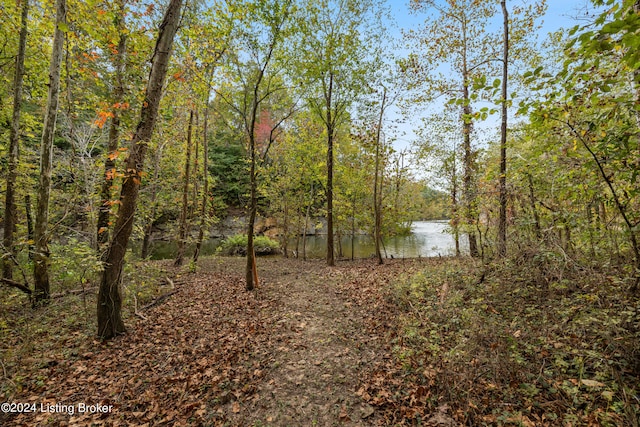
x: 330, y: 135
x: 148, y: 228
x: 205, y: 184
x: 106, y: 192
x: 377, y: 189
x: 250, y: 276
x: 30, y: 231
x: 353, y: 227
x: 11, y: 209
x: 285, y: 228
x: 184, y: 226
x: 502, y: 221
x: 534, y: 210
x: 455, y: 221
x: 41, y: 256
x: 109, y: 305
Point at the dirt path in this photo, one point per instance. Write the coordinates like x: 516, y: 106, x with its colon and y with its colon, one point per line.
x: 323, y: 344
x: 289, y: 354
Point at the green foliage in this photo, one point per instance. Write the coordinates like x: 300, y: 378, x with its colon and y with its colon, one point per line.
x: 559, y: 351
x: 237, y: 245
x: 75, y: 264
x: 228, y: 167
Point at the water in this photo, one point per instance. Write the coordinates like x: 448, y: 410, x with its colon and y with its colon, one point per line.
x: 428, y: 239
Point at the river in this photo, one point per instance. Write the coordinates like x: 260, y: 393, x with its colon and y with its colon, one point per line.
x: 428, y: 239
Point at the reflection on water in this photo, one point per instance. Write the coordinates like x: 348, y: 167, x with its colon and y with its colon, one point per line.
x: 428, y: 239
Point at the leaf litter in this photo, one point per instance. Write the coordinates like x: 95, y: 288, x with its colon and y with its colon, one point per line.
x: 213, y: 354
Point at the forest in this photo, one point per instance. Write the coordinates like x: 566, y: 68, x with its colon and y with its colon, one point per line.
x: 128, y: 123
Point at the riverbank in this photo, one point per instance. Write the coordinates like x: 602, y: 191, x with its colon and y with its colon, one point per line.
x: 426, y: 341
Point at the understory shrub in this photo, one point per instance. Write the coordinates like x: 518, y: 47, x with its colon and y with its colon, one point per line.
x: 237, y: 245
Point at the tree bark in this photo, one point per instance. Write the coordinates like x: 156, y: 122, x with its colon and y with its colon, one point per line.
x: 41, y: 256
x: 184, y: 229
x: 104, y: 212
x: 30, y: 231
x: 455, y: 220
x: 148, y: 228
x: 377, y: 189
x: 330, y: 135
x: 109, y: 305
x: 11, y: 209
x: 469, y: 193
x: 205, y: 184
x: 502, y: 221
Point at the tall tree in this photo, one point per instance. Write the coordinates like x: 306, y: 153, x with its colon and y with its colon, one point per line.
x: 261, y: 34
x: 109, y: 304
x: 456, y: 34
x: 41, y: 255
x: 502, y: 221
x: 11, y: 210
x: 377, y: 183
x: 339, y: 41
x: 118, y: 99
x: 184, y: 220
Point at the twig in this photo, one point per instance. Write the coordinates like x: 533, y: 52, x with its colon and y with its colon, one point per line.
x: 158, y: 300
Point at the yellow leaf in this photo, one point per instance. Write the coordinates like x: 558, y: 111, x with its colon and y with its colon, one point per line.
x: 236, y: 407
x: 592, y: 383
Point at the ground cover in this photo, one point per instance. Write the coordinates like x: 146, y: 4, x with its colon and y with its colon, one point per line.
x: 413, y: 342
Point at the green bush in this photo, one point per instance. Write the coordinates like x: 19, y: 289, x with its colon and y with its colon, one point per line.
x: 237, y: 245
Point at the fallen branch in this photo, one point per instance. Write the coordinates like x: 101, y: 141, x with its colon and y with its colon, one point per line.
x: 74, y: 292
x: 14, y: 284
x: 157, y: 301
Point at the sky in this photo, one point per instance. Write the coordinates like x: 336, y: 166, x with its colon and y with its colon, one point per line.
x: 559, y: 14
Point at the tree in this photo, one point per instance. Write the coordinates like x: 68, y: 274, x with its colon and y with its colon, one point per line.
x: 109, y: 303
x: 455, y: 35
x: 41, y: 255
x: 117, y: 102
x: 339, y: 40
x: 502, y: 224
x: 182, y: 238
x: 11, y: 210
x: 261, y: 33
x: 377, y: 183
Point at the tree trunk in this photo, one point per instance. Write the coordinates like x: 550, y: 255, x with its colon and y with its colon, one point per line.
x: 41, y: 256
x: 11, y: 209
x: 30, y: 231
x: 469, y: 193
x: 330, y: 135
x: 377, y: 189
x: 534, y: 210
x: 307, y: 214
x: 184, y: 226
x: 502, y: 221
x: 106, y: 192
x: 148, y: 228
x: 205, y: 184
x: 455, y: 221
x: 109, y: 305
x: 353, y: 227
x: 285, y: 227
x: 250, y: 278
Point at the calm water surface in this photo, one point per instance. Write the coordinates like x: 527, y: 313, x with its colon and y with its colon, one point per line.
x: 428, y: 239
